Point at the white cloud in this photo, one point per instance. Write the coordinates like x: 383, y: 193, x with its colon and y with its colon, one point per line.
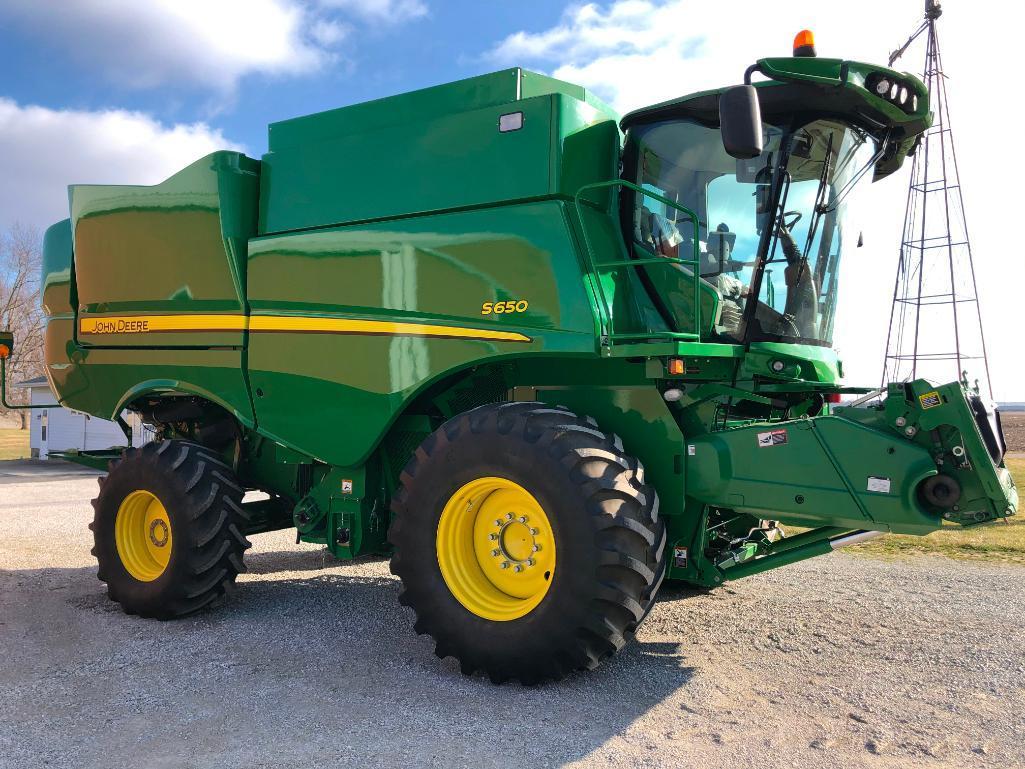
x: 212, y: 43
x: 45, y: 150
x: 638, y: 52
x: 329, y: 33
x: 392, y: 11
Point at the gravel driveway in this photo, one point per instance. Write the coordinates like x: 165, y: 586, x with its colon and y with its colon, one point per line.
x: 839, y: 662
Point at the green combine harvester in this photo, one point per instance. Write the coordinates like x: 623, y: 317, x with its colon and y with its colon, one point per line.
x: 542, y: 356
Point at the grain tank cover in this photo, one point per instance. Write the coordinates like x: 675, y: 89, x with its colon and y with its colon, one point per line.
x: 429, y: 150
x: 149, y: 257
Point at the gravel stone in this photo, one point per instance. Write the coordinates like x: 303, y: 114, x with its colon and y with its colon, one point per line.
x: 840, y: 661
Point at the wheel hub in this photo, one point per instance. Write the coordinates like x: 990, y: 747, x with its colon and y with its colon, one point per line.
x: 517, y: 541
x: 142, y: 534
x: 159, y: 533
x: 496, y: 549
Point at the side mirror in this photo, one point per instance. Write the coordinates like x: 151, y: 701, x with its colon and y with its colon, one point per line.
x: 6, y: 344
x: 740, y: 121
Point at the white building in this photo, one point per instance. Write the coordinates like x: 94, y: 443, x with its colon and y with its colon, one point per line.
x: 60, y: 429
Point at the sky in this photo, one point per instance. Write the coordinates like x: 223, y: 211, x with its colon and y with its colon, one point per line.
x: 121, y: 91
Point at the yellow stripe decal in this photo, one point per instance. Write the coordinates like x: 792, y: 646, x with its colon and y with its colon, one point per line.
x: 142, y: 324
x: 300, y: 324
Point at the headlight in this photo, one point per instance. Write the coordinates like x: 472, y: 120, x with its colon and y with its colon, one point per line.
x: 899, y: 93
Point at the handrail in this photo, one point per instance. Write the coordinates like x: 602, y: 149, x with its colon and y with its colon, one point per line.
x: 15, y: 407
x: 604, y: 310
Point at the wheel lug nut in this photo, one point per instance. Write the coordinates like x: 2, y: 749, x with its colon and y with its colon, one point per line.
x: 504, y: 564
x: 534, y: 532
x: 508, y: 516
x: 536, y: 548
x: 517, y: 567
x: 522, y: 519
x: 498, y: 522
x: 530, y: 562
x: 492, y: 537
x: 496, y: 553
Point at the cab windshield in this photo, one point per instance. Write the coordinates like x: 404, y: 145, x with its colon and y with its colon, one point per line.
x: 775, y: 285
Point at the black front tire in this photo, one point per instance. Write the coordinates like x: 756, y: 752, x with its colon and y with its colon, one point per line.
x: 202, y: 499
x: 610, y: 540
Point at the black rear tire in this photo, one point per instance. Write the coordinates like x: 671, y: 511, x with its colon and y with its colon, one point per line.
x: 609, y: 539
x: 201, y: 497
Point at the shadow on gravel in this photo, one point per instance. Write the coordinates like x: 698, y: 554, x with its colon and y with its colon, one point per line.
x: 294, y: 671
x: 682, y: 591
x: 296, y: 560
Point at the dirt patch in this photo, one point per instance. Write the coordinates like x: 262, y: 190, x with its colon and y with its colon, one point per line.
x: 1014, y: 429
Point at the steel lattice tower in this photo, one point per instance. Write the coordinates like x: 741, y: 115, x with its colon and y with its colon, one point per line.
x: 936, y: 321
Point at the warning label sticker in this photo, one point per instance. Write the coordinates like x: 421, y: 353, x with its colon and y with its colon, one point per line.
x: 930, y: 400
x: 878, y: 484
x: 772, y: 438
x: 680, y: 557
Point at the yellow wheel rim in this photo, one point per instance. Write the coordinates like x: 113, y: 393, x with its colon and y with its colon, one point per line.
x: 142, y: 533
x: 496, y: 549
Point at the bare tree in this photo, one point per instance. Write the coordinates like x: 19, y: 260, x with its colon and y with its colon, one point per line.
x: 20, y: 310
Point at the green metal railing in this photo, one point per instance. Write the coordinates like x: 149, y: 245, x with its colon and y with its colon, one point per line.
x: 604, y: 307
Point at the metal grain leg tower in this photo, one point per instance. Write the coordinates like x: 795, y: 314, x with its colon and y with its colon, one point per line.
x: 936, y: 322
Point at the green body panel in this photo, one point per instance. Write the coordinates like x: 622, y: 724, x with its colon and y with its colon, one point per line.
x: 939, y: 420
x: 827, y: 460
x: 178, y: 246
x: 104, y: 381
x: 802, y: 363
x: 435, y: 149
x: 391, y: 264
x: 56, y: 277
x: 442, y: 269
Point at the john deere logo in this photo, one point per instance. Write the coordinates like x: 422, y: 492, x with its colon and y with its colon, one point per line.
x: 119, y: 326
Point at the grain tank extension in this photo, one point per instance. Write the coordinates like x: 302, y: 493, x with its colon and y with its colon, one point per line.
x: 542, y: 356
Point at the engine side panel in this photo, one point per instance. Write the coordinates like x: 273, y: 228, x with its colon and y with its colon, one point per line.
x: 349, y: 323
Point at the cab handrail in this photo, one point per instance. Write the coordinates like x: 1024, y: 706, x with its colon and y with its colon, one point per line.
x: 605, y: 319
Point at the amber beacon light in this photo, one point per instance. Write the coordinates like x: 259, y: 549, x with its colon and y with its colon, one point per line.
x: 804, y: 43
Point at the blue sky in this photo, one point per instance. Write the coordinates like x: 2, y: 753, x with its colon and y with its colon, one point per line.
x: 129, y: 91
x: 378, y: 58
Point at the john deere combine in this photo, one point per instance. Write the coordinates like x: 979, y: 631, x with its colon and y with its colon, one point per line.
x: 542, y: 356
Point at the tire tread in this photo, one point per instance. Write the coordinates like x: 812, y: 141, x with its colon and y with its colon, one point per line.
x: 630, y: 541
